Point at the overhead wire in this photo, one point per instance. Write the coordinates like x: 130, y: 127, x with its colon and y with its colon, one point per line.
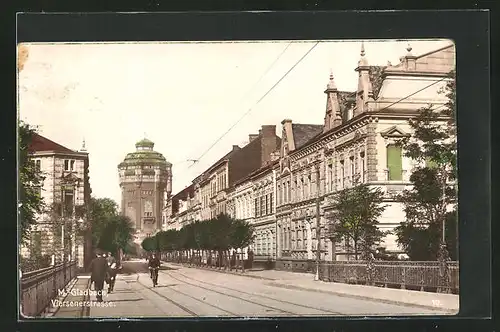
x: 260, y: 99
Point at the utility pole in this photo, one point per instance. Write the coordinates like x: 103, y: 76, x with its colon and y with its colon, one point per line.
x: 318, y: 224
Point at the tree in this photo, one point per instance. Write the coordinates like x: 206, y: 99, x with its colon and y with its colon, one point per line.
x: 110, y: 231
x: 428, y: 203
x: 101, y: 212
x: 117, y: 234
x: 355, y: 215
x: 30, y: 183
x: 242, y: 234
x: 149, y: 244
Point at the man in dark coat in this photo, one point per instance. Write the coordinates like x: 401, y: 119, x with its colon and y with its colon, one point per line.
x: 98, y: 269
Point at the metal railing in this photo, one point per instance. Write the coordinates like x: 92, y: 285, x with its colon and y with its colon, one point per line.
x: 37, y: 288
x: 424, y: 276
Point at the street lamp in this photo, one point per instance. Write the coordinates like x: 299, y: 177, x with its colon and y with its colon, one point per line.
x: 77, y: 244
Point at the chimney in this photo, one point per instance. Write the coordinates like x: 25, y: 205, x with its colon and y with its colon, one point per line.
x: 269, y: 130
x: 269, y: 143
x: 260, y: 132
x: 251, y: 137
x: 235, y: 147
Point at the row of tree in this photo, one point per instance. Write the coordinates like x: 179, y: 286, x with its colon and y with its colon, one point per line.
x: 219, y: 234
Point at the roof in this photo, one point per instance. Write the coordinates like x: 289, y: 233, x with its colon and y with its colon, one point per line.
x: 41, y: 144
x: 184, y: 193
x: 435, y: 51
x: 303, y: 133
x: 226, y: 157
x: 257, y: 172
x: 145, y: 143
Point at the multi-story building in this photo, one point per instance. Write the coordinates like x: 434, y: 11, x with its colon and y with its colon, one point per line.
x: 356, y: 144
x: 65, y: 191
x: 145, y: 181
x: 179, y: 209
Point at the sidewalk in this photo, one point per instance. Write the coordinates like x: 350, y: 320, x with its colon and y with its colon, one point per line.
x: 74, y: 294
x: 448, y: 303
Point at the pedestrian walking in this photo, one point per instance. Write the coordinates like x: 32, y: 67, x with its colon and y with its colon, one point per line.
x: 113, y: 270
x: 99, y: 269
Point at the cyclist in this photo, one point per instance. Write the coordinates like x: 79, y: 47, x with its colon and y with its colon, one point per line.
x: 154, y: 266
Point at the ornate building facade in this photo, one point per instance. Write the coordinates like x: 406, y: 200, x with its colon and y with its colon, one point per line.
x: 355, y: 144
x: 65, y: 191
x: 145, y: 182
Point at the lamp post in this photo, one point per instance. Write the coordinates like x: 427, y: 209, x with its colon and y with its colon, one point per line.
x: 318, y: 224
x: 77, y: 251
x: 443, y: 254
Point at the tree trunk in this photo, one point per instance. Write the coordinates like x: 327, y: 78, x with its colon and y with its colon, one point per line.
x: 238, y: 260
x: 355, y: 250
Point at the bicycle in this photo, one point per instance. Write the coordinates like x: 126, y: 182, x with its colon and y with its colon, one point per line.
x: 154, y: 275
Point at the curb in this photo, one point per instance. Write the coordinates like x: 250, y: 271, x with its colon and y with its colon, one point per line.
x: 354, y: 296
x: 241, y: 274
x: 369, y: 298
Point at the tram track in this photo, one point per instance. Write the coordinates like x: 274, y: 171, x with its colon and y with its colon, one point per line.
x: 330, y: 312
x: 192, y: 313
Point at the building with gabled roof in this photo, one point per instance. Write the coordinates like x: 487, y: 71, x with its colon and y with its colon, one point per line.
x: 66, y: 193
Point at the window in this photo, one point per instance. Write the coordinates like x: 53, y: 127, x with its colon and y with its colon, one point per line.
x: 69, y: 165
x: 289, y: 191
x: 342, y: 174
x: 330, y: 178
x: 68, y: 202
x: 394, y: 163
x: 271, y: 203
x: 262, y: 205
x: 130, y: 204
x: 362, y: 166
x: 279, y: 194
x: 302, y: 184
x: 38, y: 165
x: 257, y: 207
x: 353, y: 171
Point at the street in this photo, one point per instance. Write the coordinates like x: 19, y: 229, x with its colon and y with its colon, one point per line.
x: 190, y: 292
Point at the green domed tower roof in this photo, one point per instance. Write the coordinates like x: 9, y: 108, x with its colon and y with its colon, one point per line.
x: 144, y: 155
x: 145, y: 143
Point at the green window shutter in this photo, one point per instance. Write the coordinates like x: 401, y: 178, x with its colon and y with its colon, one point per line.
x: 394, y: 163
x: 430, y: 163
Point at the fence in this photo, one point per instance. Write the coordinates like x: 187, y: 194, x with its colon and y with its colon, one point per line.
x: 34, y: 264
x: 423, y: 276
x: 37, y: 288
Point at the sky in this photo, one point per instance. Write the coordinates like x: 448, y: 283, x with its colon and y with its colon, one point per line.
x: 183, y: 96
